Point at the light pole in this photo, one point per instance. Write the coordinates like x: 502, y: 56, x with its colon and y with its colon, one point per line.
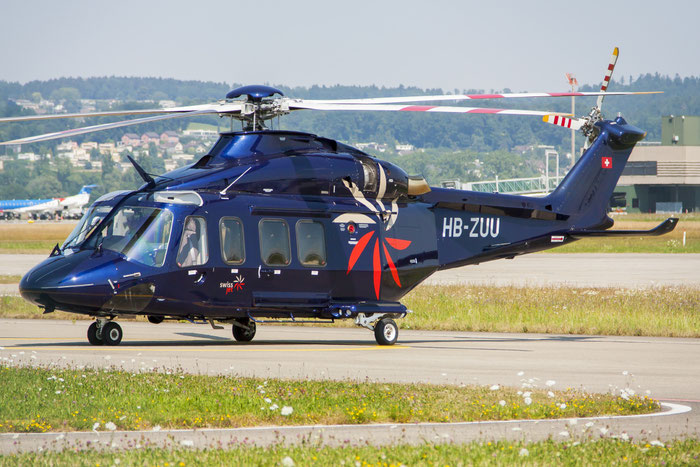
x: 572, y: 82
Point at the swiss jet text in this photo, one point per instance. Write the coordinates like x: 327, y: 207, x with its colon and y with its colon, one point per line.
x: 475, y: 227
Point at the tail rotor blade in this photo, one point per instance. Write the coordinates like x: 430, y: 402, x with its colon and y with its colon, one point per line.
x: 566, y: 122
x: 608, y: 75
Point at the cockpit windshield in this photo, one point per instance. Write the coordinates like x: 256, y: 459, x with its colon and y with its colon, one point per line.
x: 86, y: 226
x: 141, y: 234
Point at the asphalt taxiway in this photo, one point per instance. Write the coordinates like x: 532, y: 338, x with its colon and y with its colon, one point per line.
x: 668, y: 369
x: 633, y: 270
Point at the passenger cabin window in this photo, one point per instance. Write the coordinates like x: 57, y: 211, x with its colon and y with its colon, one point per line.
x: 274, y: 242
x: 311, y: 243
x: 193, y: 244
x: 231, y: 238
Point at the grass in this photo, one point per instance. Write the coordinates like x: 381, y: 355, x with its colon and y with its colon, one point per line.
x: 669, y: 243
x: 37, y: 237
x: 502, y: 453
x: 40, y: 237
x: 663, y: 311
x: 50, y: 399
x: 201, y: 126
x: 10, y: 279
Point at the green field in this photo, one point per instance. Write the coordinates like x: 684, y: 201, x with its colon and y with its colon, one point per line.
x: 51, y: 399
x: 663, y: 311
x: 40, y: 237
x: 501, y: 453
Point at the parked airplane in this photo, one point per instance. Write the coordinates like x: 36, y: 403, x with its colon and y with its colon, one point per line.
x: 72, y: 206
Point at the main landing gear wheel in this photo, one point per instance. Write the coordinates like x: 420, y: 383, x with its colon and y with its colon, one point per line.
x: 386, y: 332
x: 92, y: 335
x: 155, y: 319
x: 112, y: 333
x: 246, y: 333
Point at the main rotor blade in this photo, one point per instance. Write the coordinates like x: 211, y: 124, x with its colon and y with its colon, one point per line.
x: 107, y: 126
x: 220, y: 108
x: 416, y: 108
x: 462, y: 97
x: 608, y: 75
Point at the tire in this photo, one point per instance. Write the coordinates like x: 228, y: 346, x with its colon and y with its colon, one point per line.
x: 112, y: 333
x: 92, y: 335
x: 155, y: 319
x: 244, y: 335
x: 386, y: 332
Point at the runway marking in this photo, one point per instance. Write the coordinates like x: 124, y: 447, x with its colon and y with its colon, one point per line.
x: 675, y: 409
x: 180, y: 349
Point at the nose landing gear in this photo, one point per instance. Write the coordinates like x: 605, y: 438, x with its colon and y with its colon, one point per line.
x: 104, y: 332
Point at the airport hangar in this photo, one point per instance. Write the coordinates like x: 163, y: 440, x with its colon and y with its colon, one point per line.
x: 663, y: 177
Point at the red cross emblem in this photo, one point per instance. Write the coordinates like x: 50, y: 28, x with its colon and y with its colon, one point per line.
x: 606, y: 162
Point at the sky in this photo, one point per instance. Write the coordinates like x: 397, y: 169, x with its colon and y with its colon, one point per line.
x: 488, y: 45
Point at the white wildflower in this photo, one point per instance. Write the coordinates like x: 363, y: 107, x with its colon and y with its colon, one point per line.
x: 110, y: 426
x: 562, y: 406
x: 156, y: 428
x: 58, y: 392
x: 495, y: 387
x: 550, y: 383
x: 624, y: 436
x: 527, y: 394
x: 95, y: 426
x: 564, y: 433
x: 524, y: 452
x: 288, y: 462
x: 268, y: 400
x: 550, y: 394
x: 528, y: 401
x: 658, y: 443
x: 603, y: 430
x: 286, y: 410
x: 502, y: 403
x: 274, y: 407
x: 589, y: 424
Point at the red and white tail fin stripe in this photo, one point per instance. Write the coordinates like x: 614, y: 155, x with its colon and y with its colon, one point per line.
x: 573, y: 123
x: 608, y: 75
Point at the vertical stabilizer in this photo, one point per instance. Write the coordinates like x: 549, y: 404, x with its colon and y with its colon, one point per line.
x: 585, y: 191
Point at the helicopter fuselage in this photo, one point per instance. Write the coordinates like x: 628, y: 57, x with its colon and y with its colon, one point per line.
x: 277, y: 224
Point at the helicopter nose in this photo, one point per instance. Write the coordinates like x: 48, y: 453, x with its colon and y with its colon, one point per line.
x: 58, y: 282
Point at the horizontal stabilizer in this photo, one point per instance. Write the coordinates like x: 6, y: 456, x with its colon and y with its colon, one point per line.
x: 665, y: 227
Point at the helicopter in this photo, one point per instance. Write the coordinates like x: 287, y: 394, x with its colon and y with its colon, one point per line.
x: 290, y: 227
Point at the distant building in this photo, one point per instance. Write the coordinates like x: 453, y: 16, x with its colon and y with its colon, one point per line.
x: 150, y: 137
x: 404, y: 147
x: 663, y: 177
x: 169, y: 137
x: 131, y: 139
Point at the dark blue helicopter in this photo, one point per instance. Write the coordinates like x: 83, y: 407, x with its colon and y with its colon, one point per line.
x: 286, y: 226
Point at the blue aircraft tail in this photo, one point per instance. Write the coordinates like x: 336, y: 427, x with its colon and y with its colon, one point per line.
x: 586, y: 190
x: 86, y: 189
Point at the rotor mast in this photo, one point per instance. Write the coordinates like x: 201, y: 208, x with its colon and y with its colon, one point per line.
x: 258, y: 106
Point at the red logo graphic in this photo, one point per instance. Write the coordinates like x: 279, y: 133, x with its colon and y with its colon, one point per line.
x: 238, y: 284
x: 394, y: 243
x: 606, y: 162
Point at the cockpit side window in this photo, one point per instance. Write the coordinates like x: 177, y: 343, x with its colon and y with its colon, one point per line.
x: 193, y: 243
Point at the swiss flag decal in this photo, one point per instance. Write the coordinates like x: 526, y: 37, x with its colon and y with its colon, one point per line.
x: 606, y: 162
